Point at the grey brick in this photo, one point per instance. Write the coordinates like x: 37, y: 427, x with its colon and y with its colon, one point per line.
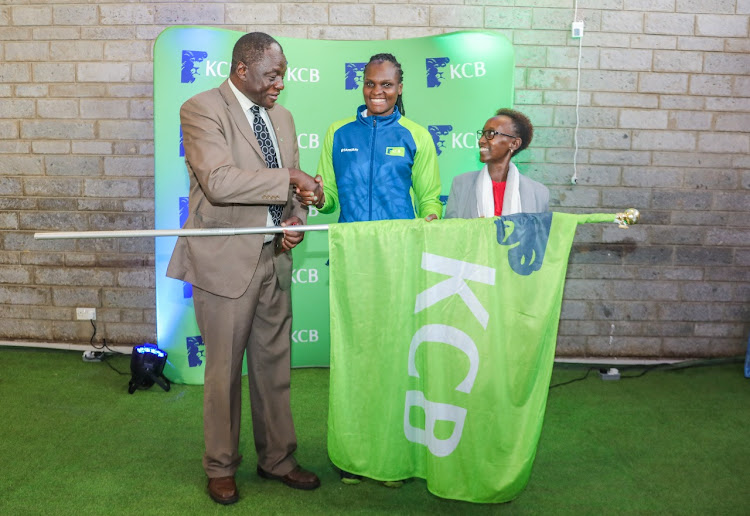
x: 52, y: 187
x: 130, y: 333
x: 50, y: 147
x: 76, y: 297
x: 648, y: 255
x: 643, y: 119
x: 662, y: 83
x: 253, y: 13
x: 707, y: 292
x: 136, y: 278
x: 111, y: 188
x: 115, y: 221
x: 670, y: 273
x: 20, y: 165
x: 73, y: 165
x: 701, y: 348
x: 124, y: 14
x: 737, y: 237
x: 125, y: 130
x: 702, y: 256
x: 53, y: 72
x: 14, y: 72
x: 645, y: 290
x: 669, y: 23
x: 663, y: 140
x: 652, y: 41
x: 20, y: 295
x: 683, y: 199
x: 623, y: 346
x: 681, y: 102
x: 604, y: 80
x: 25, y: 329
x: 507, y: 17
x: 677, y: 61
x: 570, y: 347
x: 129, y: 166
x: 57, y: 129
x: 726, y: 63
x: 127, y: 298
x: 73, y: 276
x: 43, y: 221
x: 719, y: 330
x: 625, y: 59
x: 717, y: 142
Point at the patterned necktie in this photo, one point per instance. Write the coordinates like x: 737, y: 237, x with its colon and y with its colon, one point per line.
x: 266, y: 145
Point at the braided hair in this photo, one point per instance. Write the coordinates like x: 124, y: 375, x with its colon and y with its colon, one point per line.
x: 380, y: 58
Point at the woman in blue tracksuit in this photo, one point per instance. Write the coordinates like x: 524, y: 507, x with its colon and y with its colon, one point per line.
x: 379, y: 165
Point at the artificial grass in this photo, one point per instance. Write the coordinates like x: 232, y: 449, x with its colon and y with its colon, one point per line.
x: 75, y: 442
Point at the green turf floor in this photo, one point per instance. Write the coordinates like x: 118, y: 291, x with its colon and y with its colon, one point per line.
x: 74, y: 442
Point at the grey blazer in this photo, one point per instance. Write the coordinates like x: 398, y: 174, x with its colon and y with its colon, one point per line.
x: 462, y: 199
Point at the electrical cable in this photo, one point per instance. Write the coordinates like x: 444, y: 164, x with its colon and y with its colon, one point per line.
x: 574, y: 179
x: 102, y: 347
x: 664, y: 366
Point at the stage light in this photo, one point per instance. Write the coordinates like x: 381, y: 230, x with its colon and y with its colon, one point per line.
x: 146, y: 364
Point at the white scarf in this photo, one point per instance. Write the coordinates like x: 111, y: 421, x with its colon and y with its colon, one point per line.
x: 486, y: 200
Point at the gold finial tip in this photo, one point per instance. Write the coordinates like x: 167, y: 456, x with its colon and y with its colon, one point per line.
x: 628, y: 217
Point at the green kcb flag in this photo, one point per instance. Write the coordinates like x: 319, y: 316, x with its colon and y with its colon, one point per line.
x: 442, y: 345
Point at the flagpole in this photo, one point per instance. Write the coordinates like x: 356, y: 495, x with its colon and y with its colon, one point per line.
x: 624, y: 219
x: 176, y: 232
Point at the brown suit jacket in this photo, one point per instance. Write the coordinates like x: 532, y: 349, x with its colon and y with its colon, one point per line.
x: 230, y: 187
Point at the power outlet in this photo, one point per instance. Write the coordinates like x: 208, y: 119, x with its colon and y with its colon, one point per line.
x: 85, y: 314
x: 576, y: 30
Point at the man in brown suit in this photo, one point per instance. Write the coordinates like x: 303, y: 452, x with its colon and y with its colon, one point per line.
x: 242, y: 158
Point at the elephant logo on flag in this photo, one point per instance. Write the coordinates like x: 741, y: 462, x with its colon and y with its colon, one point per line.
x: 527, y: 235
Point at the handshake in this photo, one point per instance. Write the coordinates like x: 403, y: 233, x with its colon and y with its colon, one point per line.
x: 309, y: 190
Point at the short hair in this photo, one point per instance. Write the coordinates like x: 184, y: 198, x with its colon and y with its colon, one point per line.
x: 250, y: 48
x: 380, y: 58
x: 522, y: 125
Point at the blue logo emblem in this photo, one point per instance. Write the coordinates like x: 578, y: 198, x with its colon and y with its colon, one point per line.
x: 190, y: 60
x: 527, y: 235
x: 438, y: 133
x: 354, y: 72
x: 435, y: 70
x: 196, y: 351
x: 182, y: 145
x: 187, y: 288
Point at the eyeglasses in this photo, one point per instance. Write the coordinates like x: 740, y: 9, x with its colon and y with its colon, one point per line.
x: 490, y: 134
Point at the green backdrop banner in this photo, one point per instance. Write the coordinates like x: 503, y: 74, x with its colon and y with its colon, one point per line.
x: 441, y: 354
x: 452, y: 84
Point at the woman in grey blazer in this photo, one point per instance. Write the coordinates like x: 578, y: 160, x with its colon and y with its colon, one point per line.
x: 498, y: 189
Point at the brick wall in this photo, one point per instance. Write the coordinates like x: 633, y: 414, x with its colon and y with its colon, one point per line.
x: 664, y: 127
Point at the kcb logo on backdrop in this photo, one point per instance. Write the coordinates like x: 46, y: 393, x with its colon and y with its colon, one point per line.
x: 196, y: 351
x: 457, y: 140
x: 353, y: 75
x: 302, y: 75
x: 191, y: 60
x: 308, y: 141
x: 438, y: 66
x: 194, y: 60
x: 305, y: 336
x: 305, y: 276
x: 439, y: 132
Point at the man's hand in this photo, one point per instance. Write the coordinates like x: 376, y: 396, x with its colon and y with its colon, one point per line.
x: 291, y: 238
x: 430, y: 217
x: 314, y: 197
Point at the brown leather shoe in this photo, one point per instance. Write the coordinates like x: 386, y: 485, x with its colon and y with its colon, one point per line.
x: 223, y: 490
x: 298, y: 478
